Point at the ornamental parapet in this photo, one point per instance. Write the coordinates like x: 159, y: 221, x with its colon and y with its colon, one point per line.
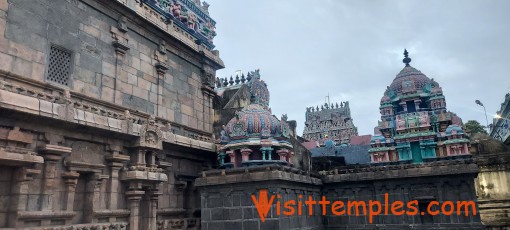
x: 185, y: 223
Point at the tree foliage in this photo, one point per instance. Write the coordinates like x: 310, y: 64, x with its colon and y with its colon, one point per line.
x: 473, y: 127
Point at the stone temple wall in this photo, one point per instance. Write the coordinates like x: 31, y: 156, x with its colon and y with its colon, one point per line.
x: 105, y: 117
x: 439, y: 181
x: 130, y: 77
x: 227, y: 198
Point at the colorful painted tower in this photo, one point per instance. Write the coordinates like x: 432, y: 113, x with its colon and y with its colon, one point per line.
x: 332, y: 122
x: 254, y: 136
x: 415, y: 125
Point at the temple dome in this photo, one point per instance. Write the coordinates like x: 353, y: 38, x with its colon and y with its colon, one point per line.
x: 409, y: 73
x: 254, y: 120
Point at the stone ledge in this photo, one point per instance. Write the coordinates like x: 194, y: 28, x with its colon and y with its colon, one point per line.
x: 252, y: 174
x: 18, y: 158
x: 171, y: 211
x: 28, y: 215
x: 402, y: 172
x: 112, y: 213
x: 83, y: 166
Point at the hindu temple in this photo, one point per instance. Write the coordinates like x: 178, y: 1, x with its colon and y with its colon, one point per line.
x: 330, y: 122
x: 415, y: 125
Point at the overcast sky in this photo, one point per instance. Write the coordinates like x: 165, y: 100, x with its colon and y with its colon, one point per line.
x: 353, y: 50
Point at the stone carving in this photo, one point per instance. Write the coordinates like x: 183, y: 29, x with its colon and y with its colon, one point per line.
x: 191, y: 21
x: 162, y: 46
x: 238, y: 130
x: 122, y: 24
x: 205, y: 6
x: 151, y: 135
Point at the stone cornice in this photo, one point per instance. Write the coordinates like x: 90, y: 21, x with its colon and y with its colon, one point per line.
x: 259, y: 173
x: 27, y: 215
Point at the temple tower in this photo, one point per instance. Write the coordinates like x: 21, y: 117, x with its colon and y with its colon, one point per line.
x: 329, y: 122
x: 415, y: 125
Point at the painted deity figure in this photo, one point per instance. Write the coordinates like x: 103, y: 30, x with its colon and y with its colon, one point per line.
x: 176, y: 9
x: 401, y: 123
x: 423, y: 120
x: 191, y: 21
x: 179, y: 12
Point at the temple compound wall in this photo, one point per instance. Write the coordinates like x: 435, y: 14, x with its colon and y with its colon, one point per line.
x: 439, y: 181
x: 106, y: 113
x: 227, y: 202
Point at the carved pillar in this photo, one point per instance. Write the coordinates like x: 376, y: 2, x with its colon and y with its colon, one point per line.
x: 138, y: 159
x: 447, y: 150
x: 120, y: 43
x: 465, y: 147
x: 93, y: 196
x: 417, y: 105
x: 19, y: 193
x: 232, y: 155
x: 153, y: 207
x: 404, y: 106
x: 283, y: 153
x: 246, y: 154
x: 70, y: 181
x: 51, y: 154
x: 222, y: 158
x: 134, y: 197
x: 269, y: 152
x: 291, y: 154
x: 161, y: 68
x: 115, y: 162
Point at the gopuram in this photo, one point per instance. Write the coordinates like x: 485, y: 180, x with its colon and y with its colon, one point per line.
x: 330, y: 122
x: 415, y: 125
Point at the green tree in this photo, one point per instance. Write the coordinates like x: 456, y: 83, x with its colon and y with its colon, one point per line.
x: 473, y: 127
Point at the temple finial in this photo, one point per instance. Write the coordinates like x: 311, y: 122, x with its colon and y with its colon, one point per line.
x: 406, y: 59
